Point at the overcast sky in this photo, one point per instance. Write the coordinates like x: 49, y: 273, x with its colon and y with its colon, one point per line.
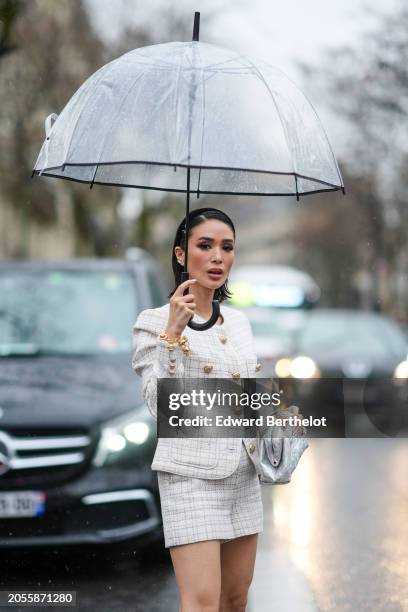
x: 279, y: 32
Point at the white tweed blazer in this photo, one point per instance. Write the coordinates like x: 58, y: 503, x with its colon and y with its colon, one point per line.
x: 220, y: 352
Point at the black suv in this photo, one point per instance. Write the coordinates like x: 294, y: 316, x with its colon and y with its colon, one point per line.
x: 76, y: 441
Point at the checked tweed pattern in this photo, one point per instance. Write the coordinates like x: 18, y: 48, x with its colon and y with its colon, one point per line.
x: 210, y: 356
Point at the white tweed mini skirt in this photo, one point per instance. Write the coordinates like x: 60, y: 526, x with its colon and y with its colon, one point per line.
x: 196, y: 509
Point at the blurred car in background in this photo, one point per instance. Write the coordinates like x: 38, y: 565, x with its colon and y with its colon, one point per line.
x: 350, y: 356
x: 274, y: 334
x: 267, y: 286
x: 76, y: 441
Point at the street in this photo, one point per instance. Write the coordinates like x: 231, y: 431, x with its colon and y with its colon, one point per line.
x: 237, y: 169
x: 335, y: 539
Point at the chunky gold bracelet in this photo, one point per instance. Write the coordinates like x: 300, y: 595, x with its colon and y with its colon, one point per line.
x: 172, y: 342
x: 183, y: 342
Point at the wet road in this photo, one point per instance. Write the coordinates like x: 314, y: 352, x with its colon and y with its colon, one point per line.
x: 335, y: 539
x: 103, y: 581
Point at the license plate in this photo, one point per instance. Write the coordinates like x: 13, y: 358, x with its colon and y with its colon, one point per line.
x: 22, y: 503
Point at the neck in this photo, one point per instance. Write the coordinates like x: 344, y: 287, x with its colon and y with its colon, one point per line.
x: 203, y: 299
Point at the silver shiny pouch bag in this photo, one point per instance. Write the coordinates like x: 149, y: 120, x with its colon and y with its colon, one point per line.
x: 279, y: 456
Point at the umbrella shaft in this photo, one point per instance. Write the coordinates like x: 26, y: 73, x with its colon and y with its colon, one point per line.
x: 187, y: 218
x: 196, y: 28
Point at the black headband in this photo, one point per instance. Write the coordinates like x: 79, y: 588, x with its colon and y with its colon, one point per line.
x: 196, y: 213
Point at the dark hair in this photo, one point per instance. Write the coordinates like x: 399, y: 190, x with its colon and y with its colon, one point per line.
x: 196, y: 217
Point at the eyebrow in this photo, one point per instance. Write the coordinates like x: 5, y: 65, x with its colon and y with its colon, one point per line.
x: 212, y: 239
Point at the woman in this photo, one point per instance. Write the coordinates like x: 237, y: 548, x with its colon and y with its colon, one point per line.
x: 209, y: 488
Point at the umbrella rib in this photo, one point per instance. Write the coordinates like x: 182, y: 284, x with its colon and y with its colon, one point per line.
x: 262, y: 79
x: 164, y: 66
x: 320, y: 124
x: 210, y: 66
x: 328, y: 143
x: 103, y: 73
x: 231, y: 59
x: 177, y: 103
x: 202, y: 130
x: 114, y: 123
x: 160, y: 59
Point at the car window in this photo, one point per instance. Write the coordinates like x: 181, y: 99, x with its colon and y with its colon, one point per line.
x: 270, y: 329
x: 267, y: 295
x: 66, y: 312
x: 156, y: 292
x: 369, y: 335
x: 275, y: 323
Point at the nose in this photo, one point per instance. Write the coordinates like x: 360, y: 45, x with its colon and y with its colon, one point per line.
x: 217, y: 255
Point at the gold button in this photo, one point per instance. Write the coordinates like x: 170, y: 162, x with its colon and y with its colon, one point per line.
x: 257, y: 367
x: 223, y: 339
x: 208, y: 368
x: 236, y: 375
x: 251, y: 448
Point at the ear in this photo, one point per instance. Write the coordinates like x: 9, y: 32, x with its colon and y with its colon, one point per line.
x: 179, y: 253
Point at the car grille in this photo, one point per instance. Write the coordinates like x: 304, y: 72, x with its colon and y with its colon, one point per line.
x: 43, y: 457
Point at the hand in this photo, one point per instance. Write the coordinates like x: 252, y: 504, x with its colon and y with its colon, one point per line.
x: 182, y: 308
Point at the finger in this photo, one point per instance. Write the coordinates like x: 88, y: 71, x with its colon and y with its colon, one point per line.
x: 186, y: 298
x: 183, y: 286
x: 182, y: 301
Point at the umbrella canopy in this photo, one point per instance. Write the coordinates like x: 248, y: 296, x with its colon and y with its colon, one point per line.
x: 190, y: 116
x: 241, y: 126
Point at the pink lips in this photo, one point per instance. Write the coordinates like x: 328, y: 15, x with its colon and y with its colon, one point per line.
x: 215, y: 273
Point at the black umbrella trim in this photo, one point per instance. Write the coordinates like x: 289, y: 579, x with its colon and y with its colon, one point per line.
x: 330, y: 186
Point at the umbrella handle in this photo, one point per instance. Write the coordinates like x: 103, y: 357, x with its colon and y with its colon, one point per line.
x: 215, y: 311
x: 211, y: 321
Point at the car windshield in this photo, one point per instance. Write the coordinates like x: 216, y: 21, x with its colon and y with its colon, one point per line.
x: 267, y: 295
x: 66, y: 312
x: 279, y: 325
x: 363, y: 334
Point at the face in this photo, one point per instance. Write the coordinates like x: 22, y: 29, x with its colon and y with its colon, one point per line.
x: 210, y: 253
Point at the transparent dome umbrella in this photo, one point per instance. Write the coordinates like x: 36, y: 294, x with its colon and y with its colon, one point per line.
x: 191, y: 117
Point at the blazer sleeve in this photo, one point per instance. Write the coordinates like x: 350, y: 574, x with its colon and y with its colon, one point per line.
x: 152, y: 359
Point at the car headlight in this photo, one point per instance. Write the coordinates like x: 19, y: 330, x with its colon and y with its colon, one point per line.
x: 401, y: 371
x: 122, y: 434
x: 297, y: 367
x: 282, y: 367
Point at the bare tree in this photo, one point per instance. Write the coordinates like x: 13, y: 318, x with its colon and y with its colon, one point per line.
x: 368, y: 87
